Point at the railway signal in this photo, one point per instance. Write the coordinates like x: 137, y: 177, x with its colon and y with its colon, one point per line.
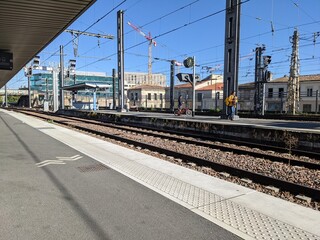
x: 187, y: 77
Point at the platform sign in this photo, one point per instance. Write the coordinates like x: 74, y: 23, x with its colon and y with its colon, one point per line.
x: 6, y: 61
x: 186, y: 77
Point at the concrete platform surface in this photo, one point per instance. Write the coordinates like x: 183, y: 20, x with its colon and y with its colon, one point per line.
x: 247, y: 213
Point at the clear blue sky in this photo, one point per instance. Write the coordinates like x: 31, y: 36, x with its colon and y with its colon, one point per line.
x: 185, y: 28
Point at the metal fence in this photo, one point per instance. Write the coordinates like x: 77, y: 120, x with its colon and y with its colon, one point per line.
x: 276, y: 101
x: 151, y: 101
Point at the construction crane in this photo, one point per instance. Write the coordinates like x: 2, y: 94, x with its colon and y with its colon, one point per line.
x: 76, y: 33
x: 151, y: 42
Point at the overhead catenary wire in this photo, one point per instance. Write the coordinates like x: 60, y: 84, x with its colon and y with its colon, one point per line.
x: 159, y: 18
x: 112, y: 55
x: 187, y: 24
x: 275, y: 30
x: 105, y: 15
x: 173, y: 30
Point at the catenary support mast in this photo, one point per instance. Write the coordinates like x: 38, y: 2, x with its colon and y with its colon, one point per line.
x: 231, y: 51
x: 293, y: 95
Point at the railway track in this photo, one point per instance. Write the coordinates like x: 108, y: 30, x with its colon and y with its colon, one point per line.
x: 138, y: 138
x: 252, y: 150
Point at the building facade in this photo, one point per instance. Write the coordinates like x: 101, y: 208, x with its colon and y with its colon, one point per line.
x: 132, y: 79
x: 146, y: 96
x: 42, y: 83
x: 275, y: 95
x: 208, y: 95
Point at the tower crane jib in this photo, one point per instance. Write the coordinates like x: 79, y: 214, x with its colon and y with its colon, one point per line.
x: 151, y: 42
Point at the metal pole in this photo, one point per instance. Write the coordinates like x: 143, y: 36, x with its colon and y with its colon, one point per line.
x: 194, y: 87
x: 114, y: 88
x: 216, y: 101
x: 29, y: 91
x: 47, y: 90
x: 256, y: 80
x: 120, y: 59
x: 231, y: 50
x: 317, y: 98
x: 281, y: 103
x: 5, y: 96
x: 94, y: 99
x: 215, y: 95
x: 202, y: 103
x: 61, y: 78
x: 55, y: 89
x: 172, y: 85
x: 263, y: 98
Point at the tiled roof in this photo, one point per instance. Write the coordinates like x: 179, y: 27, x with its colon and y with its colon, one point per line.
x: 302, y: 78
x: 245, y: 85
x: 284, y: 79
x: 184, y: 85
x: 212, y: 77
x: 217, y: 86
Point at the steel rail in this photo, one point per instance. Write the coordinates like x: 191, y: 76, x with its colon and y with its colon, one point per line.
x: 293, y: 188
x: 273, y: 158
x: 296, y: 189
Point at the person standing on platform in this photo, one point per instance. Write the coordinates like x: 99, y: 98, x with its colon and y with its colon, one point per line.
x: 231, y: 103
x: 179, y: 102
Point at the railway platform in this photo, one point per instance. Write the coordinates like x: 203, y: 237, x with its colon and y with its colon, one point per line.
x: 261, y: 131
x: 57, y: 183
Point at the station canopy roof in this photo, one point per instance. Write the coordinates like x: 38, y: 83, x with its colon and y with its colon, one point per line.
x: 86, y: 86
x: 27, y: 27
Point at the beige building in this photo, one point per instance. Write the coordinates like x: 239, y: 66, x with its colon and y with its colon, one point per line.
x: 209, y: 93
x: 276, y: 94
x: 207, y: 96
x: 132, y: 79
x: 146, y: 96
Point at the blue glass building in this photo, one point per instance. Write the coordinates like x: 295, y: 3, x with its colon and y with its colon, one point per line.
x: 42, y: 82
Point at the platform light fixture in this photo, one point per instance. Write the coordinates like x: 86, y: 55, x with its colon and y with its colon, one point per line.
x: 72, y: 65
x: 36, y: 62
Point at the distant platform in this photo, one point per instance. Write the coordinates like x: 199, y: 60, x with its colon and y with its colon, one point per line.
x: 263, y: 131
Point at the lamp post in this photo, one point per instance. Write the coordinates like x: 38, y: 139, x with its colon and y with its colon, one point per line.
x: 190, y: 62
x: 215, y: 95
x: 173, y: 63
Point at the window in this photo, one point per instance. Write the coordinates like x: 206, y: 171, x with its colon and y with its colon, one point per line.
x: 149, y: 96
x: 306, y: 108
x: 161, y: 96
x: 131, y: 97
x: 274, y: 106
x: 155, y: 97
x: 270, y: 92
x: 246, y: 95
x: 281, y: 91
x: 309, y: 92
x: 136, y: 96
